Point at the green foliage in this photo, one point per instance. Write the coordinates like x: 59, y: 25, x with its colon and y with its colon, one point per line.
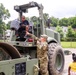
x: 8, y: 25
x: 74, y: 22
x: 63, y: 22
x: 68, y: 39
x: 59, y: 29
x: 35, y: 20
x: 4, y: 14
x: 70, y: 32
x: 2, y: 27
x: 75, y: 34
x: 46, y: 16
x: 54, y: 21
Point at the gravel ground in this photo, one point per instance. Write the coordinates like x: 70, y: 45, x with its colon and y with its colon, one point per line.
x: 68, y: 59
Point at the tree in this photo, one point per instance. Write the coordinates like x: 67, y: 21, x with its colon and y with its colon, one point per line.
x: 8, y: 25
x: 4, y: 14
x: 70, y: 33
x: 54, y: 21
x: 59, y: 30
x: 75, y: 34
x: 35, y: 20
x: 46, y: 16
x: 63, y: 22
x: 2, y: 27
x: 74, y: 22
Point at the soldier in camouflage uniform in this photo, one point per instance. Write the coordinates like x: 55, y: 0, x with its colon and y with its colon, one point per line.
x: 42, y: 50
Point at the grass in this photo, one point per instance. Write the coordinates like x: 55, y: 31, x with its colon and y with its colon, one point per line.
x: 68, y: 44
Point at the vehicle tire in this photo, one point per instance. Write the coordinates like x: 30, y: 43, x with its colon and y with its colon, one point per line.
x: 56, y: 59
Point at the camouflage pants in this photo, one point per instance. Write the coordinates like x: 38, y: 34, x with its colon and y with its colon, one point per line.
x: 42, y: 49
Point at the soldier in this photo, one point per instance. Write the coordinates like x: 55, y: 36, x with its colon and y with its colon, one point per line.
x: 42, y: 50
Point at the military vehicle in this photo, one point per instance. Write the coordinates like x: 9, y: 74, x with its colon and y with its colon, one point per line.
x: 22, y: 55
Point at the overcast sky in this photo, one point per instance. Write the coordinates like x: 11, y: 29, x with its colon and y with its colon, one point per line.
x: 56, y: 8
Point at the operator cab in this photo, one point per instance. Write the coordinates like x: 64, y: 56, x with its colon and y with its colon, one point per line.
x: 37, y: 30
x: 20, y: 32
x: 23, y: 9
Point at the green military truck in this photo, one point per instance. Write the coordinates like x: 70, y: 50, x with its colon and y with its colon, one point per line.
x: 22, y: 55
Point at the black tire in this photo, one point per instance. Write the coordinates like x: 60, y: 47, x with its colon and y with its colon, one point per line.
x: 56, y: 59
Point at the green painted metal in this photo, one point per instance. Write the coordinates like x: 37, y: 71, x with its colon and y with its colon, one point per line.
x: 8, y: 67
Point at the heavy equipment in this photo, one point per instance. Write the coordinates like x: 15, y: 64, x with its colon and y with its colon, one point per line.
x: 22, y: 55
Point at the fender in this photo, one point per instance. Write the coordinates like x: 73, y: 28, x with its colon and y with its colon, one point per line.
x: 50, y: 40
x: 11, y: 50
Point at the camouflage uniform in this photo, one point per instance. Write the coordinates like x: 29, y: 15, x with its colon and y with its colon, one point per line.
x: 42, y: 50
x: 34, y: 37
